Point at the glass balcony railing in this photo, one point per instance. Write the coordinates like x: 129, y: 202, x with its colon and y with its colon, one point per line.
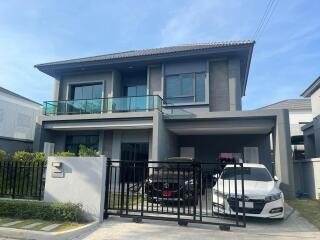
x: 103, y: 105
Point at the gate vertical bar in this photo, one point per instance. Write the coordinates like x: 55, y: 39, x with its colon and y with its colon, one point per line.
x: 195, y: 191
x: 143, y: 186
x: 40, y: 180
x: 14, y: 165
x: 201, y: 177
x: 178, y: 191
x: 243, y: 201
x: 236, y: 193
x: 107, y: 182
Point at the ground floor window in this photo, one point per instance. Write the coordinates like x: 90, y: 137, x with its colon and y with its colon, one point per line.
x: 74, y: 141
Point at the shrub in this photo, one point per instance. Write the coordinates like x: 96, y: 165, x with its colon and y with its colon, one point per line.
x: 29, y: 156
x: 39, y: 157
x: 3, y: 155
x: 87, y: 152
x: 64, y: 154
x: 42, y: 210
x: 22, y: 156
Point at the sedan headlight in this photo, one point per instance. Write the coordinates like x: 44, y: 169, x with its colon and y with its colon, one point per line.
x: 273, y: 197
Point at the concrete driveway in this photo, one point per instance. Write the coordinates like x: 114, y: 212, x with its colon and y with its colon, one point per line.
x: 292, y: 227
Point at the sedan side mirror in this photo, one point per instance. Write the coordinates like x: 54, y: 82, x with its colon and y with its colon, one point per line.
x: 276, y: 178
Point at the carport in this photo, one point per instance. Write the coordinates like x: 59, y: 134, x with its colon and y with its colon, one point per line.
x: 260, y: 136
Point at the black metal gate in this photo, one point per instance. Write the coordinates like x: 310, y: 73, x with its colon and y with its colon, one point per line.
x: 186, y: 192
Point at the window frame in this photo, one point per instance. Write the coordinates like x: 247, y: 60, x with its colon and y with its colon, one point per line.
x: 71, y: 85
x: 194, y: 102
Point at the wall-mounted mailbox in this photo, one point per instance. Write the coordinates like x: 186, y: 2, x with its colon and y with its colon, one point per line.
x: 57, y: 170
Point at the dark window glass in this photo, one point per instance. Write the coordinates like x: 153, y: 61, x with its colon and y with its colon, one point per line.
x: 186, y: 85
x: 134, y: 91
x: 97, y: 91
x: 141, y: 90
x: 77, y: 93
x: 173, y: 86
x: 73, y: 142
x: 200, y: 87
x: 249, y: 173
x: 86, y: 91
x: 185, y: 88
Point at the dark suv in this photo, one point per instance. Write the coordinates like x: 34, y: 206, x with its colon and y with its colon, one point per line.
x: 172, y: 181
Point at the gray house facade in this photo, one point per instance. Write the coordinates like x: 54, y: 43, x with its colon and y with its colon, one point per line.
x: 165, y: 102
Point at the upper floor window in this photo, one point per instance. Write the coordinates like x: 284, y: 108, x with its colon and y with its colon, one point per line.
x: 185, y: 88
x: 137, y: 90
x: 86, y: 91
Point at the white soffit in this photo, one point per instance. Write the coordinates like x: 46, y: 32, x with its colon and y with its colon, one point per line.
x: 140, y: 124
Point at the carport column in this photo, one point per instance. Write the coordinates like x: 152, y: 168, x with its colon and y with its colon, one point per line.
x: 157, y: 120
x: 282, y: 154
x: 234, y: 84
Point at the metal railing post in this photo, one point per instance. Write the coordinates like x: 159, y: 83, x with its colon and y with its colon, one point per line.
x: 107, y: 182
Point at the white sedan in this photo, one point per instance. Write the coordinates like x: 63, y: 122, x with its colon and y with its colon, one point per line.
x: 263, y: 198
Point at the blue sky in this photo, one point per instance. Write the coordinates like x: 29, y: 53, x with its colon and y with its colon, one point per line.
x: 286, y: 57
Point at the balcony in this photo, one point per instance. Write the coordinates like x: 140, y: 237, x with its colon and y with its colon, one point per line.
x: 103, y: 105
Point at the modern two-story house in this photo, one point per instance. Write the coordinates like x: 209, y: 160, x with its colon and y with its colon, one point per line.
x: 164, y: 102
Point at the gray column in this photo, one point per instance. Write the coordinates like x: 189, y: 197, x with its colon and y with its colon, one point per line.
x: 234, y: 84
x: 316, y: 129
x: 283, y: 154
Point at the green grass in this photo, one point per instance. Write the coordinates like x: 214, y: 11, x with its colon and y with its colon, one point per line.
x: 309, y: 209
x: 64, y: 227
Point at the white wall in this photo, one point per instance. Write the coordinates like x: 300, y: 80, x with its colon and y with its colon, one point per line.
x: 17, y: 117
x: 307, y: 176
x: 296, y: 118
x: 83, y: 182
x: 315, y: 102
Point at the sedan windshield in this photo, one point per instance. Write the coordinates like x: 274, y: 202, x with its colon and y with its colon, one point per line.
x: 249, y: 173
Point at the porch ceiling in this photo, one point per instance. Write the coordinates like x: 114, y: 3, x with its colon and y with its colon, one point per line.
x: 222, y: 127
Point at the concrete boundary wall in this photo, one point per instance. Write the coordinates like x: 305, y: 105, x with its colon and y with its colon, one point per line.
x: 81, y: 180
x: 307, y: 176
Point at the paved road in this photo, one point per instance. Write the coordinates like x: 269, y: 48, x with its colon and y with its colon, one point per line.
x: 293, y: 227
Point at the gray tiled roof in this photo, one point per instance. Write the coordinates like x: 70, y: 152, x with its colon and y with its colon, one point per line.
x: 291, y: 104
x: 312, y: 88
x: 154, y: 51
x: 6, y: 91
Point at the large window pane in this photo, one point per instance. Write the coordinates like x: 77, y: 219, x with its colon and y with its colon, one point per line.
x: 86, y: 91
x: 186, y: 85
x: 141, y: 90
x: 77, y: 93
x: 97, y: 91
x: 173, y: 86
x: 185, y: 88
x: 200, y: 87
x: 131, y: 91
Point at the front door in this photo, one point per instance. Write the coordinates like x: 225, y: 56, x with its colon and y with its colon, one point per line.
x: 134, y: 158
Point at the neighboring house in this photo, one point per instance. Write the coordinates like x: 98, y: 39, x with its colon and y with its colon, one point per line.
x: 164, y: 102
x: 311, y: 130
x: 299, y: 114
x: 17, y: 121
x: 307, y: 172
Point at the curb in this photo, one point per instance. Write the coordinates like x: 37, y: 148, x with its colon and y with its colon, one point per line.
x: 38, y: 235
